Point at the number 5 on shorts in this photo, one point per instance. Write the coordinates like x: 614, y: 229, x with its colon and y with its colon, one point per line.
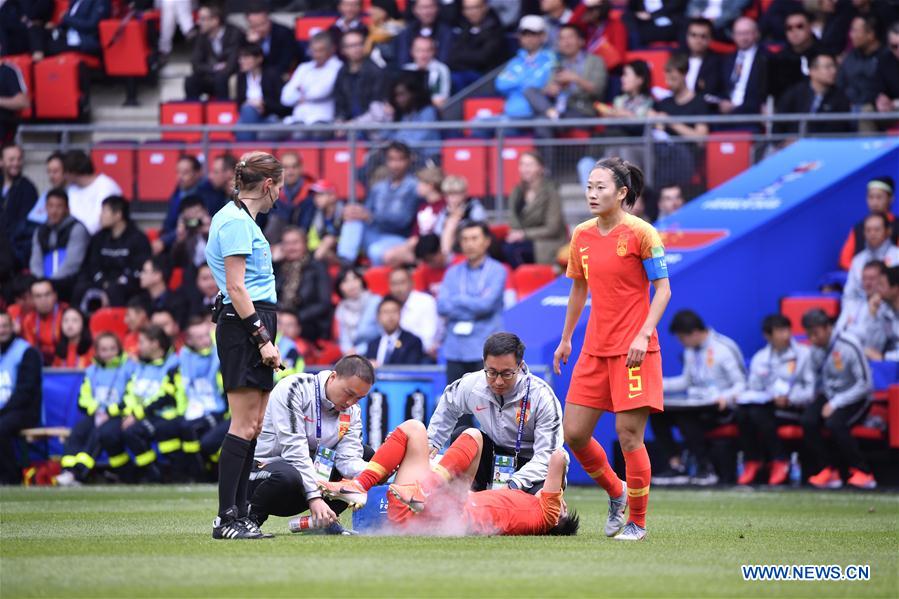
x: 634, y: 382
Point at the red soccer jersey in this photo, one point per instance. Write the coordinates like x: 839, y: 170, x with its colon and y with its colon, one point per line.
x: 512, y: 512
x: 617, y: 268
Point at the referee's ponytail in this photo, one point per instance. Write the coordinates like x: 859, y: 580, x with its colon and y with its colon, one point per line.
x: 626, y: 175
x: 252, y: 169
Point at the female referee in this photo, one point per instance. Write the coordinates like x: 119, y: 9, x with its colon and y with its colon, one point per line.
x: 615, y: 256
x: 240, y: 260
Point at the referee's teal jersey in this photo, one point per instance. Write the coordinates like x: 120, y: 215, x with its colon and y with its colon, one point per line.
x: 234, y: 233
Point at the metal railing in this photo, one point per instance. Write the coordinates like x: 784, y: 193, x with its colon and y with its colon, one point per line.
x: 501, y: 139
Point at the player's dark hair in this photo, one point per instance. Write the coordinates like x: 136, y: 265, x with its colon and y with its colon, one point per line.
x: 815, y: 318
x: 626, y: 175
x: 156, y: 334
x: 77, y: 162
x: 567, y: 526
x: 253, y: 169
x: 502, y: 343
x: 60, y: 193
x: 881, y: 217
x: 118, y: 204
x: 686, y: 322
x: 350, y: 366
x: 775, y: 321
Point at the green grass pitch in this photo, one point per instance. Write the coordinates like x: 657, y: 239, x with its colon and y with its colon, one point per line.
x: 155, y: 542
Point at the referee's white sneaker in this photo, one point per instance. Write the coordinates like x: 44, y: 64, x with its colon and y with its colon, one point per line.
x: 347, y: 490
x: 617, y: 505
x: 631, y: 532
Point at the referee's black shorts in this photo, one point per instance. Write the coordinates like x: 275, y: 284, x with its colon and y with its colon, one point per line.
x: 241, y: 362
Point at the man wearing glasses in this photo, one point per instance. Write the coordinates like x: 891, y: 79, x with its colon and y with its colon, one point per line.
x: 516, y: 448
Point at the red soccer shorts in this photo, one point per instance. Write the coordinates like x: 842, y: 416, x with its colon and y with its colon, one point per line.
x: 606, y: 383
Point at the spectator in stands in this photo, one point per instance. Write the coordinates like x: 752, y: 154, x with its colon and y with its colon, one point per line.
x: 722, y: 14
x: 79, y: 28
x: 575, y: 85
x: 324, y: 228
x: 395, y: 345
x: 746, y: 73
x: 87, y: 189
x: 164, y: 319
x: 418, y: 313
x: 214, y: 57
x: 295, y: 205
x: 202, y: 294
x: 877, y: 247
x: 830, y: 21
x: 676, y: 162
x: 882, y: 323
x: 428, y: 220
x: 303, y: 286
x: 471, y: 300
x: 478, y: 47
x: 705, y: 71
x: 781, y: 379
x: 884, y: 13
x: 189, y: 182
x: 22, y: 303
x: 842, y: 401
x: 258, y: 93
x: 880, y: 200
x: 606, y: 36
x: 635, y: 100
x: 42, y: 329
x: 426, y: 23
x: 360, y: 86
x: 432, y: 263
x: 191, y: 234
x: 75, y: 346
x: 59, y: 246
x: 172, y: 13
x: 310, y: 91
x: 154, y: 277
x: 791, y: 65
x: 555, y: 15
x: 409, y: 102
x: 652, y: 21
x: 116, y: 254
x: 699, y: 399
x: 385, y: 221
x: 888, y: 74
x: 854, y: 314
x: 818, y: 95
x: 289, y: 342
x: 356, y: 311
x: 857, y: 76
x: 221, y: 180
x: 671, y: 199
x: 350, y: 19
x: 17, y: 199
x: 137, y: 316
x: 460, y: 208
x: 424, y: 50
x: 532, y: 67
x: 277, y: 42
x: 20, y: 396
x: 14, y: 98
x: 56, y: 178
x: 535, y: 216
x: 385, y: 24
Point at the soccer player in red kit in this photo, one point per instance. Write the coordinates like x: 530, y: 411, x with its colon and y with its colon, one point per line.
x: 423, y: 500
x: 615, y: 256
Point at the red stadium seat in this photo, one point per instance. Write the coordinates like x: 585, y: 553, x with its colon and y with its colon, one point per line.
x: 893, y: 415
x: 110, y: 320
x: 790, y: 432
x: 221, y: 113
x: 126, y: 51
x: 183, y: 114
x: 795, y: 307
x: 500, y: 231
x: 656, y: 60
x: 469, y: 161
x: 26, y: 67
x: 58, y: 82
x: 306, y: 27
x: 117, y: 160
x: 176, y: 278
x: 336, y: 169
x: 725, y: 431
x: 474, y: 108
x: 156, y: 176
x: 309, y: 154
x: 512, y: 150
x: 726, y: 156
x: 528, y: 278
x: 377, y: 278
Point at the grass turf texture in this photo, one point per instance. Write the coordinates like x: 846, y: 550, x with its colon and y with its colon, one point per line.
x: 155, y: 541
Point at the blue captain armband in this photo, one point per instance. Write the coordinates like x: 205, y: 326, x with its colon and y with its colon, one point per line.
x: 655, y: 266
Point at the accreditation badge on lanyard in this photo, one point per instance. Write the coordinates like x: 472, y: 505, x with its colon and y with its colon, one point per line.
x: 504, y: 466
x: 324, y: 457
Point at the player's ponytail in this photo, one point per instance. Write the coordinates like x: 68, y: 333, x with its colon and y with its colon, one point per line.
x: 626, y: 174
x: 252, y: 169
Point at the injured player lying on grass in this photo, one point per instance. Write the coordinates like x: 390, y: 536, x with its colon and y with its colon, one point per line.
x: 437, y: 501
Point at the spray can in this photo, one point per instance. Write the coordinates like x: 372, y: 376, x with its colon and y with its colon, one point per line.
x: 302, y: 524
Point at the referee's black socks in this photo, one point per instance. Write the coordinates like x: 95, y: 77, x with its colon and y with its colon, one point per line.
x: 235, y: 453
x: 243, y: 484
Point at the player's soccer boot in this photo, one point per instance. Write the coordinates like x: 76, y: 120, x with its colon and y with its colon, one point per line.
x: 409, y: 495
x: 232, y: 527
x: 828, y: 478
x: 347, y: 490
x: 252, y: 522
x: 780, y: 469
x: 631, y: 532
x: 861, y: 480
x: 750, y: 471
x: 617, y: 505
